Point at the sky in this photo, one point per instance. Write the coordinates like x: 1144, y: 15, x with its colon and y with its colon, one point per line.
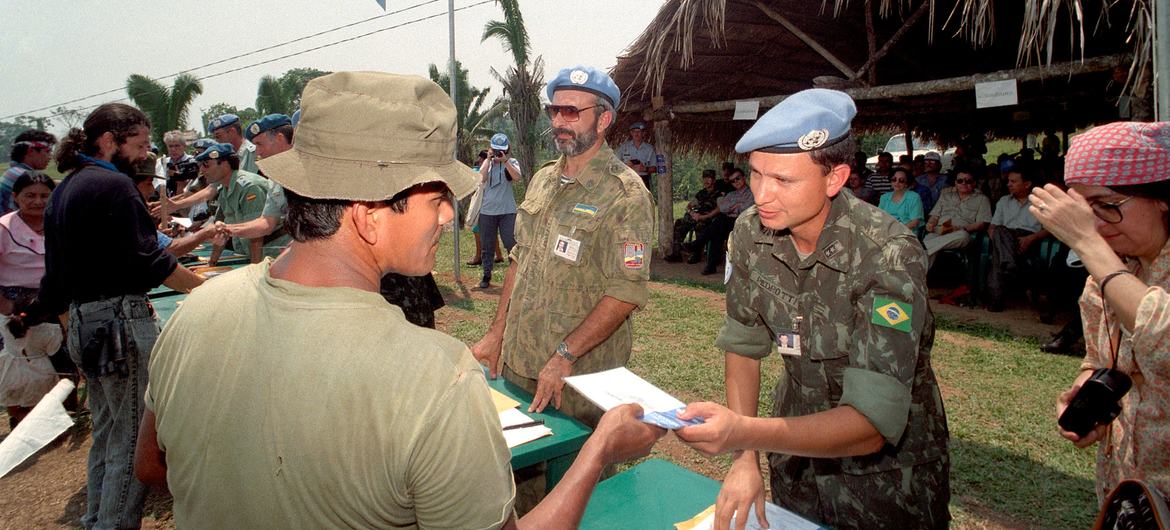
x: 58, y: 50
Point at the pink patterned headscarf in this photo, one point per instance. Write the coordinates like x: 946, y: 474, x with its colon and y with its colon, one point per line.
x: 1120, y: 154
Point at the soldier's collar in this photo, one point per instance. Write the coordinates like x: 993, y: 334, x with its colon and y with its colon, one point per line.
x: 835, y: 238
x: 602, y: 163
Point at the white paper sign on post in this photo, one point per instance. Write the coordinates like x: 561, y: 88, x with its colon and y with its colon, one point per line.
x: 996, y: 94
x: 747, y: 110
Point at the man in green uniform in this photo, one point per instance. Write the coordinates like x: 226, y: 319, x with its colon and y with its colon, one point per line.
x: 241, y: 199
x: 582, y: 257
x: 228, y: 129
x: 858, y: 437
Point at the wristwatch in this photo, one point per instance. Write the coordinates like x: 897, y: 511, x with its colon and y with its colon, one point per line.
x: 563, y: 351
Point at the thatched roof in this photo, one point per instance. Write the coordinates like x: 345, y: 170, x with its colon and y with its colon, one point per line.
x: 699, y: 56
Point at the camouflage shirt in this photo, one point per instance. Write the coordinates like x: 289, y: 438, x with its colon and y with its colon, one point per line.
x: 858, y: 306
x: 576, y: 243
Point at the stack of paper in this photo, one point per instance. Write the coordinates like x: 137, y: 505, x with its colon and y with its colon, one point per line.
x: 510, y: 415
x: 778, y: 519
x: 618, y: 386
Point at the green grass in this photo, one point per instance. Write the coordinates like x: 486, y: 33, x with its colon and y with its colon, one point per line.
x: 1008, y: 463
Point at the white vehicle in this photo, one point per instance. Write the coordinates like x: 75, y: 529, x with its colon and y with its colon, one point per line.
x: 896, y: 146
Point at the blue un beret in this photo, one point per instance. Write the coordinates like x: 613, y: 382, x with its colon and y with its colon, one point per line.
x: 588, y: 79
x: 215, y: 152
x: 266, y: 123
x: 805, y: 121
x: 202, y: 143
x: 223, y: 121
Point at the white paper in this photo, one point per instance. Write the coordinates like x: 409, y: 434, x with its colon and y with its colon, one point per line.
x: 778, y: 519
x: 516, y: 437
x: 996, y: 94
x: 618, y: 386
x: 43, y: 424
x: 182, y: 221
x: 747, y: 110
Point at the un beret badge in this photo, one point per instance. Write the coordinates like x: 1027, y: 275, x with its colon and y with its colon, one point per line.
x: 578, y: 77
x: 213, y: 155
x: 255, y: 128
x: 813, y: 139
x: 216, y: 123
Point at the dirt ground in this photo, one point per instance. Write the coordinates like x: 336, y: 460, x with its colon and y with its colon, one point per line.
x: 48, y: 490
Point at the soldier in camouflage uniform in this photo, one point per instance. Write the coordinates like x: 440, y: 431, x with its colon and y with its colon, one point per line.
x: 859, y: 435
x: 581, y: 262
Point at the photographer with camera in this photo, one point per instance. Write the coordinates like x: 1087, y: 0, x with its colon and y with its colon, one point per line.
x: 178, y: 168
x: 497, y: 210
x: 1114, y: 217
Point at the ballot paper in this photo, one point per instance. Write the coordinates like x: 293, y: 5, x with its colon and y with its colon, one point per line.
x: 523, y: 435
x: 42, y: 425
x: 778, y: 519
x: 618, y: 386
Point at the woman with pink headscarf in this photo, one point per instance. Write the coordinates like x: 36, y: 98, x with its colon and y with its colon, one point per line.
x: 1115, y: 217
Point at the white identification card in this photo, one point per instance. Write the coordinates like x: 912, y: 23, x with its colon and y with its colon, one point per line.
x: 567, y: 247
x: 788, y: 343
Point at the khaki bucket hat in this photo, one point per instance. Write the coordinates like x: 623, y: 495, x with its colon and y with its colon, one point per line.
x: 365, y: 136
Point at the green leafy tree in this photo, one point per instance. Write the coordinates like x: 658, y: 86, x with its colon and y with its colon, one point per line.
x: 166, y: 107
x: 247, y: 115
x: 282, y: 95
x: 522, y: 81
x: 473, y: 119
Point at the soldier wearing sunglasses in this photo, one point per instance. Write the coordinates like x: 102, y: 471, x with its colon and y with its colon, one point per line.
x: 581, y: 260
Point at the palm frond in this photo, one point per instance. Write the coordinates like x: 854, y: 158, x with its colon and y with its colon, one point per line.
x: 183, y: 92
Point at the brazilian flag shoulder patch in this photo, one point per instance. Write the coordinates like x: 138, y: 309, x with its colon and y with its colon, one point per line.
x: 891, y: 313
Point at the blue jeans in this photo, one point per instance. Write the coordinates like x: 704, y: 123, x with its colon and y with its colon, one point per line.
x: 489, y: 227
x: 114, y: 497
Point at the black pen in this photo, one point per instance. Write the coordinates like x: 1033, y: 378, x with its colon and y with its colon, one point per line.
x: 523, y: 425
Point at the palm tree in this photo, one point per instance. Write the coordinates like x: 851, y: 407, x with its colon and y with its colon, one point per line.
x: 471, y: 120
x: 282, y: 95
x: 166, y: 107
x: 522, y: 81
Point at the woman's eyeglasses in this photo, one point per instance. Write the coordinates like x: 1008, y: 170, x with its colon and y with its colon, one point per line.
x: 568, y: 112
x: 1110, y: 212
x: 898, y: 181
x: 964, y: 181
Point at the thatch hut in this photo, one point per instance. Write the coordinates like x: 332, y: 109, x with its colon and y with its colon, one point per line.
x: 911, y: 65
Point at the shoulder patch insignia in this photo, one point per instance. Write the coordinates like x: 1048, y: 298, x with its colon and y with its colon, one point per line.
x: 891, y: 313
x: 250, y: 197
x: 633, y: 255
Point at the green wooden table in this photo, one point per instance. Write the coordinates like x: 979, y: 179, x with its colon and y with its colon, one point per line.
x: 557, y: 450
x: 652, y: 495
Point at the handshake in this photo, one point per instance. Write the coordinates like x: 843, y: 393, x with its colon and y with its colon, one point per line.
x: 223, y: 232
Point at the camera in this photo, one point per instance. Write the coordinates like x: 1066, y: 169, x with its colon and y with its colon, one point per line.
x: 1097, y: 401
x: 498, y: 154
x: 184, y: 169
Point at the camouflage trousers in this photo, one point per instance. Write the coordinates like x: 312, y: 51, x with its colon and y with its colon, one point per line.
x: 902, y: 498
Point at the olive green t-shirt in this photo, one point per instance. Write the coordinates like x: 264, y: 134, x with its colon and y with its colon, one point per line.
x: 321, y: 407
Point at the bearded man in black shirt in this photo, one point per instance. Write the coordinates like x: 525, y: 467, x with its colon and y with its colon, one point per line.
x: 101, y: 258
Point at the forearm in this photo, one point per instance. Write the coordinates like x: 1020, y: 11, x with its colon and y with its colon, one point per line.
x: 499, y: 322
x: 183, y: 280
x: 187, y: 243
x: 742, y: 379
x: 150, y: 462
x: 605, y: 318
x: 564, y: 506
x: 913, y: 223
x: 1123, y: 293
x: 256, y: 228
x: 202, y: 195
x: 835, y: 433
x: 975, y: 227
x: 216, y: 251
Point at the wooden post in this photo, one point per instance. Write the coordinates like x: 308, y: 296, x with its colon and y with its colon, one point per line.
x: 871, y: 40
x: 909, y: 141
x: 874, y: 57
x: 665, y: 188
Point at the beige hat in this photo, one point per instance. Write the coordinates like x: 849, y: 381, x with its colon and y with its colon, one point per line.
x: 365, y: 136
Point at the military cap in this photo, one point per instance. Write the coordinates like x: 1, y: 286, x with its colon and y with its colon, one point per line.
x: 499, y: 141
x: 807, y: 120
x: 215, y: 152
x: 588, y: 79
x: 202, y: 143
x: 638, y: 125
x: 223, y: 121
x: 933, y: 155
x: 266, y: 123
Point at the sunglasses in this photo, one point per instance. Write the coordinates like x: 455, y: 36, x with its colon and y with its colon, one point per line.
x: 568, y: 112
x: 1110, y: 212
x: 735, y: 179
x: 899, y: 181
x: 964, y: 181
